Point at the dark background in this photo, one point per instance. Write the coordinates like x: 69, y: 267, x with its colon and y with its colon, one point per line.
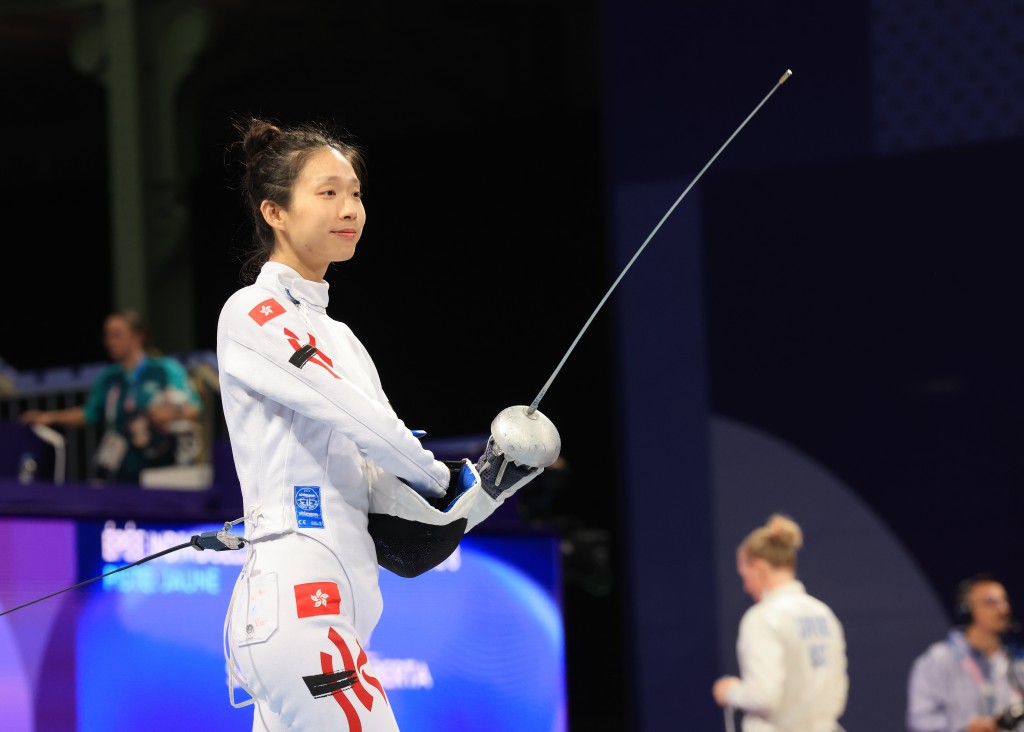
x: 860, y: 253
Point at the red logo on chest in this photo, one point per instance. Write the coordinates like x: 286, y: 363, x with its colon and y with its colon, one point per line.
x: 266, y: 310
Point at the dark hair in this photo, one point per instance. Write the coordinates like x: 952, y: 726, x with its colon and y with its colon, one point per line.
x: 272, y: 157
x: 137, y: 325
x: 134, y: 320
x: 962, y: 607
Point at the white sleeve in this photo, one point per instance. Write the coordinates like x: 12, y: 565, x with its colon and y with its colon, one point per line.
x: 761, y: 658
x: 256, y: 356
x: 839, y: 690
x: 393, y: 498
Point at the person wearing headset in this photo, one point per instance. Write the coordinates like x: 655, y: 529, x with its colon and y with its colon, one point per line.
x: 973, y: 680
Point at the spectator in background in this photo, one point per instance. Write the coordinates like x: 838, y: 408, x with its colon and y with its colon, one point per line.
x: 972, y: 680
x: 142, y: 399
x: 791, y: 647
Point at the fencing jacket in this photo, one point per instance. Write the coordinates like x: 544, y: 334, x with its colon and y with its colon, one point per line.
x: 793, y: 667
x: 316, y: 445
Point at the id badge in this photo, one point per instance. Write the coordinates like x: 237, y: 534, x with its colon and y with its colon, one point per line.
x: 111, y: 451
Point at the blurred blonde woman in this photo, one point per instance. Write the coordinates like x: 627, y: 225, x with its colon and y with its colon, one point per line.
x: 791, y: 647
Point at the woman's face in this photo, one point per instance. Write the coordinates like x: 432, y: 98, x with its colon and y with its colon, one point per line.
x: 752, y: 572
x: 119, y: 338
x: 325, y: 218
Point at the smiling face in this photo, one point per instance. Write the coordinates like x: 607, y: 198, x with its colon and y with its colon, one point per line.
x: 324, y: 218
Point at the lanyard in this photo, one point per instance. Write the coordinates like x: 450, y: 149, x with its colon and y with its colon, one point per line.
x: 988, y: 691
x: 131, y: 389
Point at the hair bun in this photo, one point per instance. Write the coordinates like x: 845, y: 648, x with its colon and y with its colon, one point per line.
x: 257, y: 136
x: 784, y: 530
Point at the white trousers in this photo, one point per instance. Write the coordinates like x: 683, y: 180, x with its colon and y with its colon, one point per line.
x: 291, y: 636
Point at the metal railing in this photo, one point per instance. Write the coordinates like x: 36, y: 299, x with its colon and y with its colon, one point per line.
x: 67, y: 386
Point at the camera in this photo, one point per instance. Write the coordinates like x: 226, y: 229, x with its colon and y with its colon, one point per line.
x: 1011, y: 716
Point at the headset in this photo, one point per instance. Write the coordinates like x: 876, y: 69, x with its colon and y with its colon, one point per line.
x: 962, y: 607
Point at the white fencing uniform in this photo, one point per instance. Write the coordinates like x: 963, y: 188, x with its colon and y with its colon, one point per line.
x: 793, y: 667
x: 317, y: 447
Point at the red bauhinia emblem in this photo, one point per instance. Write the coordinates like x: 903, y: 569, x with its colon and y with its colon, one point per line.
x: 317, y: 598
x: 266, y: 310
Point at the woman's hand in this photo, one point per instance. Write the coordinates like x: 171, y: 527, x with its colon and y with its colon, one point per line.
x: 721, y: 689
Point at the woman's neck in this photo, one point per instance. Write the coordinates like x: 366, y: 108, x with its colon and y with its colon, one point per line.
x: 778, y: 578
x: 132, y: 360
x: 306, y: 272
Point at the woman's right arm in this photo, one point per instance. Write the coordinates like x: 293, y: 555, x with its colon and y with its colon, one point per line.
x: 262, y: 351
x: 761, y: 656
x: 70, y: 417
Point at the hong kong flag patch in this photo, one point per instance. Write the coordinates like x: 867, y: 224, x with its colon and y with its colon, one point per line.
x: 266, y: 310
x: 317, y: 598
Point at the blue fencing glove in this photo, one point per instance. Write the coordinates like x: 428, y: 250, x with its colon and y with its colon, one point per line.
x: 463, y: 477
